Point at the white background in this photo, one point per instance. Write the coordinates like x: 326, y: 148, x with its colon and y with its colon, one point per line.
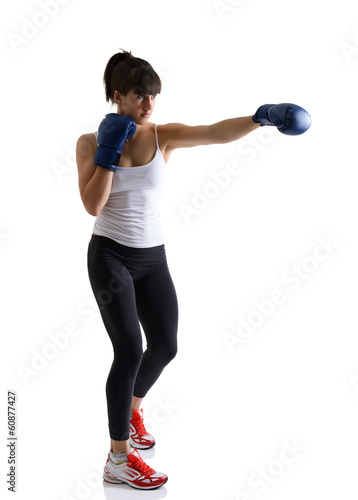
x: 223, y: 413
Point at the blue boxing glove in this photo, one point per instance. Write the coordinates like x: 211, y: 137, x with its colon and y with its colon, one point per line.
x: 113, y: 131
x: 289, y: 119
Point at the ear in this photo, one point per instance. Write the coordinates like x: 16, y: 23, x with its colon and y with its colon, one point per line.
x: 117, y: 96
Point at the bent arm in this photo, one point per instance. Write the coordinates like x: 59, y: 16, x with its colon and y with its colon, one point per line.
x: 185, y: 136
x: 94, y: 181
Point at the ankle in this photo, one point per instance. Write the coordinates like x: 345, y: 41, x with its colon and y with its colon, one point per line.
x: 117, y: 447
x: 119, y: 451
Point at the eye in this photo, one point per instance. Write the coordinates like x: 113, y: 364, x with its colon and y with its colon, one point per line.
x: 142, y: 96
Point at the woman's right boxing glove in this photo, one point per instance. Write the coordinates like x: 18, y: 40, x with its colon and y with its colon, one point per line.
x: 113, y: 132
x: 289, y: 119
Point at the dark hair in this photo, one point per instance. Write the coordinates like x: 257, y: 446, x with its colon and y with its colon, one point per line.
x: 125, y: 72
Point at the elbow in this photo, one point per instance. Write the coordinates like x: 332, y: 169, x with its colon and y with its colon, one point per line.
x: 92, y: 207
x: 93, y: 211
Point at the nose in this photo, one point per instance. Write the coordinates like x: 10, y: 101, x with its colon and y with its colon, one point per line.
x: 148, y: 103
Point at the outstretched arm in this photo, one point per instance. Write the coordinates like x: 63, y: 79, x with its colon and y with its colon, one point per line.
x: 289, y: 119
x: 185, y: 136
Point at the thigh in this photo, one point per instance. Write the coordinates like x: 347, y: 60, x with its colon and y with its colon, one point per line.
x: 113, y: 288
x: 157, y: 307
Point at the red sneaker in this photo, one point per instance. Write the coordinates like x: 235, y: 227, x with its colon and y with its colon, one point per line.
x: 138, y: 435
x: 135, y: 472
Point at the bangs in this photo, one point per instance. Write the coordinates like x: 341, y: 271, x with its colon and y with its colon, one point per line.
x: 145, y: 81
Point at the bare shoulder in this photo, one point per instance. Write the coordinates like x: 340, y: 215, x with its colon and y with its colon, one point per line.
x: 86, y: 145
x: 167, y: 132
x: 179, y: 135
x: 168, y: 129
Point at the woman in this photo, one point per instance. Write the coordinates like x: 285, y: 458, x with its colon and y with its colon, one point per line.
x: 121, y: 173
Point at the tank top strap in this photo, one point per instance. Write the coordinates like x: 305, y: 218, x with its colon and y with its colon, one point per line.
x: 156, y: 136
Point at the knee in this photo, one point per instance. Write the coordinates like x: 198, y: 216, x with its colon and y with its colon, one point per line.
x: 129, y: 355
x: 168, y: 353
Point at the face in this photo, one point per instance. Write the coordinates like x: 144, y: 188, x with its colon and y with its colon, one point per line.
x: 139, y: 107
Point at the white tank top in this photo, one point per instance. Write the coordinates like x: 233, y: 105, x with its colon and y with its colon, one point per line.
x: 131, y: 215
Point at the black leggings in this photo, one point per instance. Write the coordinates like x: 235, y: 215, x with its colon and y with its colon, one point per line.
x: 132, y: 285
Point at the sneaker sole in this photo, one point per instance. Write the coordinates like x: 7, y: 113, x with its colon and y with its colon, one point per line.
x: 140, y: 446
x: 119, y: 481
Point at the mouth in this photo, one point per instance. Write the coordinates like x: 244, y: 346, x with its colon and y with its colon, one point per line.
x: 145, y: 115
